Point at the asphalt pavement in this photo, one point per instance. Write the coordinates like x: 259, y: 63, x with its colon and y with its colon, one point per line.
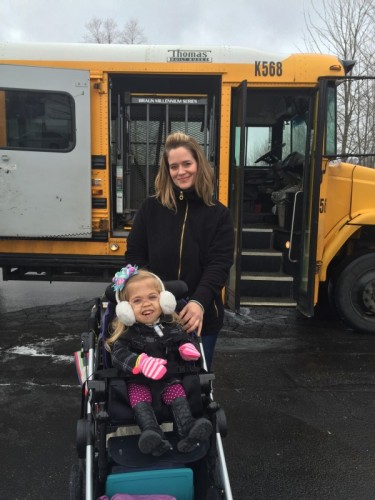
x: 298, y: 394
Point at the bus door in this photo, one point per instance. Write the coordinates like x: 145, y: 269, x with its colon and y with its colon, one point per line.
x: 308, y: 204
x: 45, y: 165
x: 237, y: 165
x: 143, y: 122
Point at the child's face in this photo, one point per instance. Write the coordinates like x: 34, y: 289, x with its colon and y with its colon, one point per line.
x: 144, y: 298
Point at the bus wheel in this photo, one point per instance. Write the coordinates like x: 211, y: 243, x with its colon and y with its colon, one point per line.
x: 354, y: 293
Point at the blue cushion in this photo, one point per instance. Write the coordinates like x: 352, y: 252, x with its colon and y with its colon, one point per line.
x: 174, y: 482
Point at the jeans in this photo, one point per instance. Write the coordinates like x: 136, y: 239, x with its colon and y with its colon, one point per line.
x: 209, y: 342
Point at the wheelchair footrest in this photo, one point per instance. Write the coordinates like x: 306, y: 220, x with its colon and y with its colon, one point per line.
x: 124, y: 451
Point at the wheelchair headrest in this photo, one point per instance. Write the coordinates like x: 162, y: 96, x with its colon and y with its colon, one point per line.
x: 178, y: 287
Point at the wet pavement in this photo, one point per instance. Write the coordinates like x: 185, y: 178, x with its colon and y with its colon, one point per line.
x: 299, y: 396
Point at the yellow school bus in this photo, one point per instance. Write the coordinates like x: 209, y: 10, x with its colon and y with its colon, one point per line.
x: 82, y: 127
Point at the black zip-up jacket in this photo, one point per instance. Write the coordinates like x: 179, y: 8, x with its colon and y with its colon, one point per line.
x: 140, y: 338
x: 195, y: 245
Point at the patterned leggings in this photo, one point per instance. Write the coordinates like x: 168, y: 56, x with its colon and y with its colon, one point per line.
x: 139, y: 393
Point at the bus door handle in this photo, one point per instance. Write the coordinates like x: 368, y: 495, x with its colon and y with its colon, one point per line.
x: 292, y: 227
x: 4, y: 158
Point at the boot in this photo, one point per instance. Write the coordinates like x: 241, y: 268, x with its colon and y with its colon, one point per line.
x: 191, y: 430
x: 152, y: 439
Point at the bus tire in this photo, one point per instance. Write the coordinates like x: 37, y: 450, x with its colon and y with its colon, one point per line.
x: 354, y: 293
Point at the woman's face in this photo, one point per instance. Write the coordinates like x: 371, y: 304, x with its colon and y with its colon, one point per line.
x: 144, y: 297
x: 183, y: 168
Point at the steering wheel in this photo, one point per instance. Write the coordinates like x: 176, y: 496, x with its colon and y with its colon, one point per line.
x: 269, y: 157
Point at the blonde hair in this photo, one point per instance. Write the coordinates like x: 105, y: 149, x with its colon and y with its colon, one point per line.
x: 205, y: 181
x: 119, y: 328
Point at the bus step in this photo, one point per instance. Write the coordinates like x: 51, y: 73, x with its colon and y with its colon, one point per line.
x: 267, y: 301
x: 262, y: 284
x: 255, y: 238
x: 261, y: 260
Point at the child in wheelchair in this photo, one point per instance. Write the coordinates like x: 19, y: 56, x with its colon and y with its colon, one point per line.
x: 152, y: 350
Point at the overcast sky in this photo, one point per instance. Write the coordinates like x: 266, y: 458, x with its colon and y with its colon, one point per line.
x: 271, y: 25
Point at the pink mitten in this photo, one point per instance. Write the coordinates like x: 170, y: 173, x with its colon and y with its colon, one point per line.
x: 189, y: 352
x: 150, y: 367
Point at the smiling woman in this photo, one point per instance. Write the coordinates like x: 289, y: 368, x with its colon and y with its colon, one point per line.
x: 183, y: 233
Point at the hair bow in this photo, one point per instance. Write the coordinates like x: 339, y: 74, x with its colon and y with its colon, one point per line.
x: 121, y: 277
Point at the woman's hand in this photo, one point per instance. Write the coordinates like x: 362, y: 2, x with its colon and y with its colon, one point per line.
x: 191, y: 317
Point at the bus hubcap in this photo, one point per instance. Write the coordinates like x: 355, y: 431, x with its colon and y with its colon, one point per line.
x: 369, y: 296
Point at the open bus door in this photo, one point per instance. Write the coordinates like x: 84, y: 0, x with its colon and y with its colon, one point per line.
x: 142, y: 122
x: 308, y: 204
x: 45, y: 153
x: 237, y: 165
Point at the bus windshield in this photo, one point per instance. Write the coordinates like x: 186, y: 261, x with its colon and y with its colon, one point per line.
x: 276, y: 124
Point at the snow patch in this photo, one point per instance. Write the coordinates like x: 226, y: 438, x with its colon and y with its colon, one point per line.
x: 39, y: 352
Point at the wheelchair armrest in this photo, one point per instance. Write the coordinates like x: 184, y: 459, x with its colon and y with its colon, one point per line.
x: 97, y: 389
x: 205, y: 380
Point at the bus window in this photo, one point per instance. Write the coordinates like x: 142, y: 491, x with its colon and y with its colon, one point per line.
x: 259, y: 141
x: 298, y: 132
x: 3, y: 130
x: 257, y: 144
x: 37, y: 120
x: 276, y: 125
x: 330, y: 143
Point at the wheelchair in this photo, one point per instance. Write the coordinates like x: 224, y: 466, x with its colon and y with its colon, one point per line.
x: 109, y: 462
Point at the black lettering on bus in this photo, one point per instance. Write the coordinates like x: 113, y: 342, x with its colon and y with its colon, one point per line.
x: 268, y: 68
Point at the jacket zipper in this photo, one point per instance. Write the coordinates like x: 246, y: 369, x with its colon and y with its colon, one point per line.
x: 181, y: 197
x: 216, y: 309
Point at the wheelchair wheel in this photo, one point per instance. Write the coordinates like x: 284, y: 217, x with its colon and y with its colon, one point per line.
x: 221, y: 422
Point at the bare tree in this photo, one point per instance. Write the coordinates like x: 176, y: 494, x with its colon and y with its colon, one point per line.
x: 107, y: 31
x: 347, y: 28
x: 101, y: 31
x: 133, y: 33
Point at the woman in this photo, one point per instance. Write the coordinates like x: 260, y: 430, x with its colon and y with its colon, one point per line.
x: 183, y: 233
